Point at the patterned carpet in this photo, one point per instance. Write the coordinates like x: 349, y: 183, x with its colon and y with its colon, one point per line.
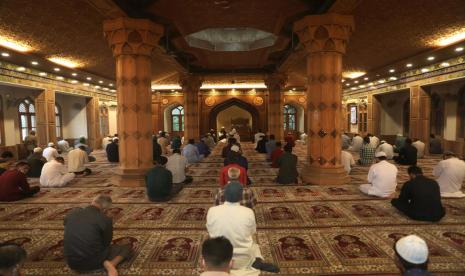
x: 306, y: 230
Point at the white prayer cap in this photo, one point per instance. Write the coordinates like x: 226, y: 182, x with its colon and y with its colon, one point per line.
x: 382, y: 142
x: 51, y: 144
x: 38, y: 149
x: 115, y: 139
x: 413, y: 249
x: 380, y: 154
x: 235, y: 148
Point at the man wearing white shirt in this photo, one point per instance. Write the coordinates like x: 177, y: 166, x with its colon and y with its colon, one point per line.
x: 450, y: 174
x: 258, y: 136
x: 347, y: 159
x: 357, y: 143
x: 374, y: 141
x: 177, y: 165
x: 106, y: 141
x: 164, y: 143
x: 55, y: 174
x: 237, y: 224
x: 420, y: 146
x: 382, y: 178
x: 77, y: 158
x: 50, y: 152
x: 386, y: 148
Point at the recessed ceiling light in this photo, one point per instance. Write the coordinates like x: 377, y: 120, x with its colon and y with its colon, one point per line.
x: 97, y: 86
x: 409, y: 65
x: 391, y: 70
x: 111, y: 84
x: 353, y: 88
x: 60, y: 78
x: 293, y: 89
x: 452, y: 38
x: 459, y: 49
x: 21, y: 69
x: 74, y: 74
x: 355, y: 81
x: 34, y: 63
x: 56, y: 69
x: 424, y: 70
x: 445, y: 64
x: 85, y: 84
x: 88, y: 78
x: 113, y: 90
x: 371, y: 84
x: 42, y: 74
x: 64, y: 62
x: 347, y: 84
x: 100, y: 81
x: 381, y: 81
x: 353, y: 74
x: 393, y: 78
x: 430, y: 58
x: 365, y: 78
x: 361, y: 86
x: 105, y: 88
x: 343, y: 80
x: 74, y: 81
x: 4, y: 54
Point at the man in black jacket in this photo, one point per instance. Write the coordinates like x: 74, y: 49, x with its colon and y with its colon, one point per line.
x: 113, y: 151
x: 88, y: 237
x: 407, y: 154
x: 420, y: 198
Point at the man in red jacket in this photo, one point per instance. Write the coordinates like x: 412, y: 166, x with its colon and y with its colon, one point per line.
x: 13, y: 184
x: 275, y: 154
x: 224, y: 175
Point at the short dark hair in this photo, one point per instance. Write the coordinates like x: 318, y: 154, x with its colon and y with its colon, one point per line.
x: 7, y: 154
x: 414, y: 170
x: 432, y: 135
x: 177, y: 151
x: 272, y: 137
x: 408, y: 141
x: 279, y: 144
x: 366, y: 139
x: 60, y: 159
x: 161, y: 160
x: 288, y: 148
x: 217, y: 252
x: 82, y: 148
x: 191, y: 141
x: 10, y: 255
x: 382, y: 158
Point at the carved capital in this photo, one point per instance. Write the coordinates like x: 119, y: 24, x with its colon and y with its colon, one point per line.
x: 190, y: 82
x: 325, y: 33
x: 130, y: 36
x: 276, y: 81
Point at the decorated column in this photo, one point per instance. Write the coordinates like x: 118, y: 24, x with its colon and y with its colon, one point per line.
x: 132, y: 41
x: 275, y: 84
x: 420, y: 111
x: 325, y: 38
x: 45, y: 116
x: 93, y: 123
x: 190, y: 87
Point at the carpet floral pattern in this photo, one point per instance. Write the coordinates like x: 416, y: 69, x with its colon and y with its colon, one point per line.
x: 306, y: 230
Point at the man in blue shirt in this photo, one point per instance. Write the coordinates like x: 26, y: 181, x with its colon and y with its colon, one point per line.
x: 270, y: 146
x: 191, y: 152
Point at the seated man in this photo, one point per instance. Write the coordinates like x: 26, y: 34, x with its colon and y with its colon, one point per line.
x: 163, y: 142
x: 412, y: 256
x: 55, y: 174
x: 347, y: 159
x: 209, y: 141
x: 261, y: 144
x: 203, y: 149
x: 399, y: 143
x: 14, y: 185
x: 159, y: 182
x: 450, y: 174
x: 226, y: 149
x: 225, y: 177
x: 11, y: 258
x: 156, y: 149
x: 277, y: 152
x: 112, y: 150
x: 36, y: 161
x: 435, y: 145
x: 270, y: 146
x: 177, y: 165
x: 50, y: 153
x: 248, y: 197
x: 217, y: 256
x: 382, y: 177
x: 289, y: 139
x: 89, y: 150
x: 63, y: 146
x: 237, y: 224
x: 77, y: 158
x: 191, y: 152
x: 287, y: 163
x: 106, y: 141
x: 387, y: 148
x: 175, y: 142
x: 367, y: 152
x: 374, y: 141
x: 345, y: 140
x: 258, y: 136
x: 357, y: 143
x: 407, y: 154
x: 420, y: 198
x: 6, y: 161
x: 420, y: 146
x: 235, y: 157
x: 303, y: 138
x: 88, y: 237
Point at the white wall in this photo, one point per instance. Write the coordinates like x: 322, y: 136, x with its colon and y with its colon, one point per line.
x: 450, y: 110
x: 74, y: 115
x: 233, y: 112
x: 112, y: 118
x: 392, y: 112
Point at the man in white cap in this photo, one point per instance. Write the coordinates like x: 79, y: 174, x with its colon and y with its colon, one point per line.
x: 374, y: 141
x: 450, y: 174
x: 106, y: 141
x: 55, y: 174
x: 382, y: 177
x: 50, y: 152
x: 412, y: 256
x: 420, y: 146
x: 386, y: 148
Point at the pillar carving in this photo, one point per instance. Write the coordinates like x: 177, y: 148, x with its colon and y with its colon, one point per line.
x: 190, y: 85
x: 420, y: 111
x: 324, y: 38
x: 275, y: 84
x: 93, y: 123
x: 373, y: 115
x: 132, y: 41
x: 157, y: 115
x: 45, y: 117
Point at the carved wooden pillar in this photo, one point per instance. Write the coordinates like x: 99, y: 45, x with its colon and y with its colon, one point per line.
x: 373, y: 115
x: 420, y: 110
x: 45, y: 116
x: 275, y: 84
x: 157, y: 116
x: 93, y: 123
x: 190, y: 87
x: 325, y: 38
x: 132, y: 41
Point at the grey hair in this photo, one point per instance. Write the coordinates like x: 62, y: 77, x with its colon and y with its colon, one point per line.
x: 234, y: 173
x: 103, y: 201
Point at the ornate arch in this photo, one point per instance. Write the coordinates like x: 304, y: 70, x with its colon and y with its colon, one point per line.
x: 234, y: 102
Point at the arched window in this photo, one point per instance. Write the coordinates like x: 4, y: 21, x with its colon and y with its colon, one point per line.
x: 58, y: 121
x: 461, y: 114
x: 290, y: 116
x: 27, y: 117
x: 177, y: 118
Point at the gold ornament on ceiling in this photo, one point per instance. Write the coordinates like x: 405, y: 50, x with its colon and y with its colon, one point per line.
x: 302, y: 100
x: 258, y: 101
x: 165, y: 101
x: 210, y: 101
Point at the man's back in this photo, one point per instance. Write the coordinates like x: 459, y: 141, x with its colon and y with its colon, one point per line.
x: 50, y: 153
x: 420, y: 146
x: 435, y: 146
x: 347, y: 160
x: 450, y: 174
x: 409, y: 155
x: 112, y: 152
x: 36, y: 162
x: 224, y: 178
x: 191, y: 153
x: 367, y: 154
x: 159, y: 182
x: 177, y: 166
x: 357, y: 143
x: 386, y: 148
x: 383, y: 177
x: 287, y: 163
x: 11, y: 184
x: 76, y: 160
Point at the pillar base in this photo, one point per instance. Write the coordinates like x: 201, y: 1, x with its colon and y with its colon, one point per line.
x: 324, y: 176
x: 129, y: 178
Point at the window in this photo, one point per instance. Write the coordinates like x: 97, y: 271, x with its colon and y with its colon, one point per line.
x: 27, y: 117
x: 177, y: 118
x: 58, y: 121
x: 363, y: 118
x: 290, y: 116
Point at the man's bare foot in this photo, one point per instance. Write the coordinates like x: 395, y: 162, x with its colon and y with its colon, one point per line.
x: 111, y: 269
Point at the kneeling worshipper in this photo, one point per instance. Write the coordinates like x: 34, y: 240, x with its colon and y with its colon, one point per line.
x: 287, y: 163
x: 435, y: 144
x: 345, y: 140
x: 106, y: 141
x: 77, y: 158
x: 217, y: 256
x: 36, y: 161
x: 191, y: 152
x: 257, y: 136
x: 55, y: 174
x: 177, y: 165
x: 7, y: 161
x: 387, y: 148
x: 289, y: 139
x: 374, y: 141
x: 277, y: 152
x: 450, y: 174
x: 209, y: 141
x: 88, y: 239
x: 235, y: 157
x: 159, y: 182
x: 12, y: 256
x: 248, y: 197
x: 399, y: 143
x: 237, y: 224
x: 50, y: 152
x: 367, y: 152
x: 420, y: 198
x: 357, y: 142
x: 407, y: 154
x: 347, y: 159
x: 420, y: 146
x: 203, y: 149
x: 411, y: 256
x: 89, y: 150
x: 226, y: 149
x: 382, y: 177
x: 224, y: 173
x: 261, y: 144
x: 112, y: 150
x: 175, y: 143
x: 14, y: 185
x: 63, y: 146
x: 270, y: 146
